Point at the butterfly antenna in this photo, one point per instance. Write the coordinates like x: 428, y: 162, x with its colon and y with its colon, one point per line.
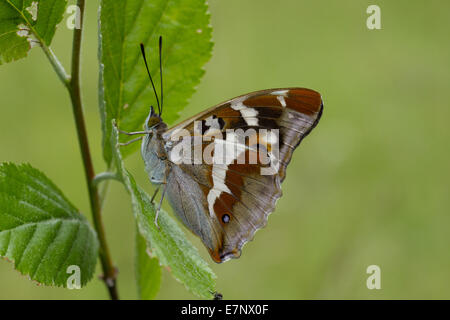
x: 160, y: 70
x: 149, y: 75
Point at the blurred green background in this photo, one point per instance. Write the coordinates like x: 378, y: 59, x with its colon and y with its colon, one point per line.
x: 369, y: 186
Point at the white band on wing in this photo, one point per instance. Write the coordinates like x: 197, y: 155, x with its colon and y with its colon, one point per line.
x: 250, y: 115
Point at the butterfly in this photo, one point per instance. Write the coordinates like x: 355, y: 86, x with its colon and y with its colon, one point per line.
x: 222, y: 169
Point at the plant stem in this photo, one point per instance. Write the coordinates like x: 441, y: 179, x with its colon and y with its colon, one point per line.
x: 109, y: 271
x: 57, y: 66
x: 105, y: 176
x: 72, y: 83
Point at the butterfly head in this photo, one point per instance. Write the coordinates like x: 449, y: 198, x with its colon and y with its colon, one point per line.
x: 154, y: 121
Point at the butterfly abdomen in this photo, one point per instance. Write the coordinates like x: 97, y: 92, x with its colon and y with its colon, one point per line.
x: 154, y: 156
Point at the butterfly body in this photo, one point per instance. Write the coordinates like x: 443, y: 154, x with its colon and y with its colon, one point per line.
x: 222, y: 169
x: 153, y: 151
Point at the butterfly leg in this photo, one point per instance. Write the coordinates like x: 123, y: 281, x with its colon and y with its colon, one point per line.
x: 167, y: 171
x: 160, y: 204
x: 129, y: 142
x: 154, y: 194
x: 134, y: 133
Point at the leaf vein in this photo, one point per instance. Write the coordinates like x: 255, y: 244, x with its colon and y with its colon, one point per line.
x: 7, y: 243
x: 68, y: 252
x: 19, y: 259
x: 149, y: 35
x: 58, y: 230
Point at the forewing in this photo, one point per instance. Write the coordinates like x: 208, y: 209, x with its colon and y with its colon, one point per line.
x: 224, y: 199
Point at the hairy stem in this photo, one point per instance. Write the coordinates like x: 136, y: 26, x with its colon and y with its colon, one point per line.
x: 73, y: 85
x: 109, y: 271
x: 57, y: 66
x: 105, y: 176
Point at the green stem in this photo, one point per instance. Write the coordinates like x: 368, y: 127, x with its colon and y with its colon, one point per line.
x: 105, y: 176
x: 57, y: 66
x: 74, y: 88
x: 109, y: 271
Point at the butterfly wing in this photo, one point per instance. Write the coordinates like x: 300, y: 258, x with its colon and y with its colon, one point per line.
x: 225, y: 202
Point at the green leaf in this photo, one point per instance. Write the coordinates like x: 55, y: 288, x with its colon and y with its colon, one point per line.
x: 23, y: 23
x: 168, y: 243
x: 41, y: 232
x: 126, y: 94
x: 148, y: 271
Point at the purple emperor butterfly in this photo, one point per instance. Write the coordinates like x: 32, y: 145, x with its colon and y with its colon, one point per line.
x: 222, y: 169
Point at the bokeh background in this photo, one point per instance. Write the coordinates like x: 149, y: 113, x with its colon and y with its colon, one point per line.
x: 369, y: 186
